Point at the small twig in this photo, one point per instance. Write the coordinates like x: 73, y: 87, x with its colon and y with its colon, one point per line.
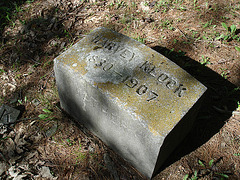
x: 183, y: 33
x: 94, y: 171
x: 45, y: 84
x: 25, y: 119
x: 216, y: 42
x: 57, y: 165
x: 143, y: 26
x: 68, y: 32
x: 32, y: 59
x: 235, y: 12
x: 74, y: 11
x: 221, y: 110
x: 188, y: 38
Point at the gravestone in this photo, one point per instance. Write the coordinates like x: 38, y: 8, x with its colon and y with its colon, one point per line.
x: 136, y: 100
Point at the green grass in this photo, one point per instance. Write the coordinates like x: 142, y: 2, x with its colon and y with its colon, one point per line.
x: 48, y: 115
x: 237, y: 48
x: 208, y: 169
x: 205, y: 60
x: 9, y: 10
x: 166, y: 24
x: 140, y: 39
x: 230, y: 33
x: 224, y: 73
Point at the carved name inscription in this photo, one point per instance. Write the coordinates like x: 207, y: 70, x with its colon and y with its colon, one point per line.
x: 112, y: 47
x: 162, y: 78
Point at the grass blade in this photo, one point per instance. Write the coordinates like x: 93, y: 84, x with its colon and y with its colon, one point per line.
x: 237, y: 48
x: 201, y: 163
x: 225, y: 26
x: 211, y: 163
x: 47, y: 111
x: 43, y: 116
x: 233, y: 28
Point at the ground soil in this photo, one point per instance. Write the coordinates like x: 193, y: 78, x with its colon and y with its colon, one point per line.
x: 55, y: 146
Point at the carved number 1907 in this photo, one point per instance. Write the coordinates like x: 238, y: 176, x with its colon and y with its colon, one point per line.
x: 142, y: 89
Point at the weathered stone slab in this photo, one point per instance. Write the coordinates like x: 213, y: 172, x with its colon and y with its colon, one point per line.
x: 8, y: 115
x: 136, y: 100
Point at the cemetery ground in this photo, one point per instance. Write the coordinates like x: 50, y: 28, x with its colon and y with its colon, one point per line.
x: 201, y: 36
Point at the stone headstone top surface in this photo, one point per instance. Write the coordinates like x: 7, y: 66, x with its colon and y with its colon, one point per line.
x: 148, y: 85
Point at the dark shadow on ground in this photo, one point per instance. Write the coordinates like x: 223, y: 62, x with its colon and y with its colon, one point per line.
x: 7, y: 7
x: 221, y: 99
x: 39, y: 39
